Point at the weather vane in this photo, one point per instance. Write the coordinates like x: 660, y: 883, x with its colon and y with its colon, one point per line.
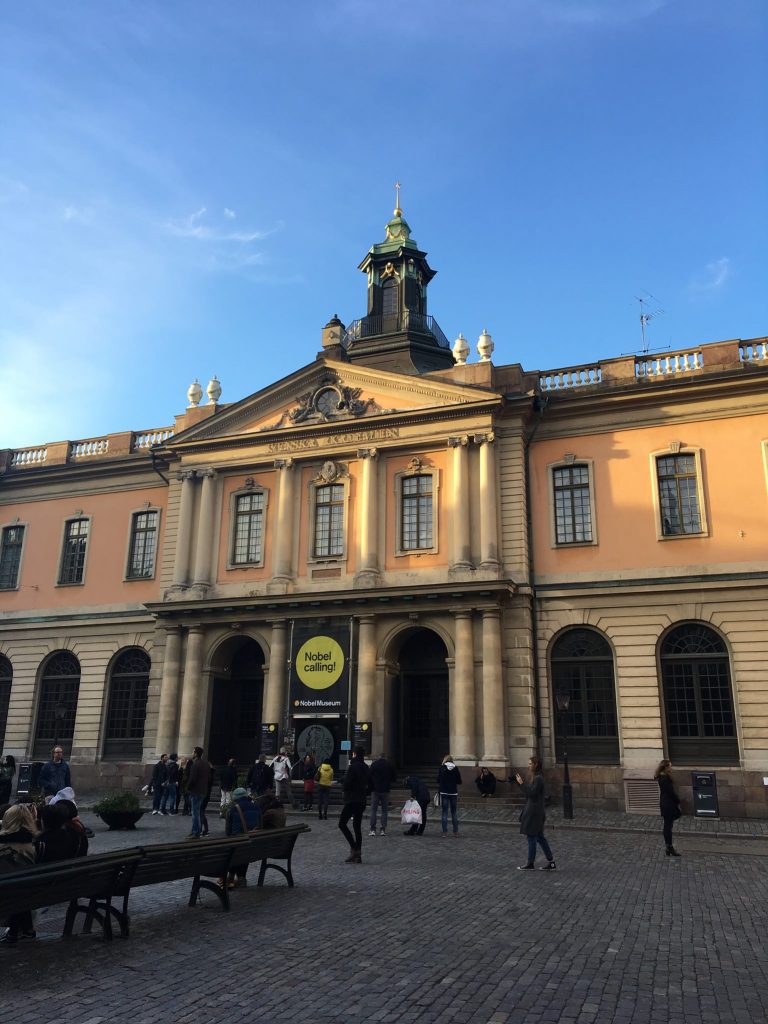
x: 398, y: 211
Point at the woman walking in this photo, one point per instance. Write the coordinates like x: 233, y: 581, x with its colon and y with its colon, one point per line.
x: 533, y: 816
x: 669, y: 803
x: 448, y: 782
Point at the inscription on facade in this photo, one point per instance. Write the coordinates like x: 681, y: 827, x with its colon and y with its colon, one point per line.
x: 351, y: 437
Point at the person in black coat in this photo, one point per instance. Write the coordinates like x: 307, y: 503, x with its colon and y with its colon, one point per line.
x: 448, y: 782
x: 261, y: 777
x: 486, y: 782
x: 669, y: 803
x: 355, y: 788
x: 533, y: 816
x: 420, y: 794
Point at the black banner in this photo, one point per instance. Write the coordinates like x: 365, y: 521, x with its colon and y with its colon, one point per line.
x: 320, y: 656
x: 363, y: 736
x: 269, y: 737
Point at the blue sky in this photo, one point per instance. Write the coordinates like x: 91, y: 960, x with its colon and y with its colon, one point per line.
x: 186, y: 188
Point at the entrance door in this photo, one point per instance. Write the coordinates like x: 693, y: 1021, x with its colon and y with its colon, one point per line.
x: 424, y: 729
x: 236, y: 708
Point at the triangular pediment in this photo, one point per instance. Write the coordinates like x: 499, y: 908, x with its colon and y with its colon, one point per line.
x: 327, y: 392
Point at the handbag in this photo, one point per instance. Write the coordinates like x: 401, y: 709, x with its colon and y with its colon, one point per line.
x: 411, y: 813
x: 436, y: 801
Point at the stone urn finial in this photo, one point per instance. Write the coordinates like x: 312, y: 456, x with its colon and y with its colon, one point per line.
x: 194, y: 394
x: 213, y: 390
x: 485, y: 347
x: 460, y: 350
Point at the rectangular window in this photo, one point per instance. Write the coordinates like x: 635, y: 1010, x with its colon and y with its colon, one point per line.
x: 573, y: 512
x: 416, y: 512
x: 73, y: 555
x: 248, y: 529
x: 141, y: 558
x: 10, y: 556
x: 329, y: 521
x: 678, y: 495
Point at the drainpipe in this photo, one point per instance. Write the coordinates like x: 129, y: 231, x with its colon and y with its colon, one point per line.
x: 540, y: 403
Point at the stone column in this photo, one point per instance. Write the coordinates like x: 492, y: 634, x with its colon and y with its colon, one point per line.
x: 462, y: 696
x: 365, y: 710
x: 184, y: 528
x: 494, y: 742
x: 168, y: 711
x: 205, y: 529
x: 460, y: 554
x: 275, y: 683
x: 489, y: 530
x: 368, y: 515
x: 282, y: 571
x: 191, y: 723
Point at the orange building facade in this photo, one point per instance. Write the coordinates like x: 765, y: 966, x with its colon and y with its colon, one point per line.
x: 476, y: 539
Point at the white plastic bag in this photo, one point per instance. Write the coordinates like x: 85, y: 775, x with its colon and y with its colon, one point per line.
x: 411, y: 813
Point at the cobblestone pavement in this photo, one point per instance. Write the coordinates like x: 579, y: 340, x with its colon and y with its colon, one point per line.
x: 425, y: 930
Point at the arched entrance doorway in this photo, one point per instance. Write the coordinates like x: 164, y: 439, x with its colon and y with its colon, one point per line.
x: 238, y: 692
x: 421, y: 704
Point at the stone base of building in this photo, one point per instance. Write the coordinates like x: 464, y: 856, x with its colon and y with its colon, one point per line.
x: 741, y: 794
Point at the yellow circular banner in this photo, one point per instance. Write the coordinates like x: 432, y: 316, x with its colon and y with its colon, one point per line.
x: 320, y: 662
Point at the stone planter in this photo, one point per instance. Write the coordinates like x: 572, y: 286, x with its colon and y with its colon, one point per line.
x: 115, y: 820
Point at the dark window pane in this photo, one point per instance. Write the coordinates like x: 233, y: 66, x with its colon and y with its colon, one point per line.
x: 6, y: 678
x: 573, y: 513
x: 582, y: 668
x: 249, y: 526
x: 128, y: 688
x: 59, y: 688
x: 73, y: 555
x: 678, y: 495
x: 10, y: 556
x: 141, y: 559
x: 416, y: 512
x: 329, y: 521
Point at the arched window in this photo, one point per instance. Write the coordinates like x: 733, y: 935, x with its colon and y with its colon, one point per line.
x: 582, y: 668
x: 698, y: 701
x: 57, y: 709
x: 6, y: 678
x: 128, y: 687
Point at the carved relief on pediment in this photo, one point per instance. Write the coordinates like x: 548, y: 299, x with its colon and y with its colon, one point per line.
x: 327, y: 404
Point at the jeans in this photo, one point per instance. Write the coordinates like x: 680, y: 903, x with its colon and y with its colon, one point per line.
x: 379, y: 800
x: 157, y: 796
x: 226, y: 798
x: 354, y: 811
x: 667, y: 830
x: 196, y: 826
x: 169, y: 798
x: 532, y: 841
x: 323, y: 799
x: 450, y: 800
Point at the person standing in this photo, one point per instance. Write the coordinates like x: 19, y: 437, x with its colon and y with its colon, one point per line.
x: 170, y: 786
x: 669, y: 803
x: 54, y: 775
x: 7, y: 771
x: 533, y: 815
x: 383, y: 775
x: 198, y: 788
x: 324, y: 782
x: 261, y: 777
x: 309, y: 770
x: 228, y: 782
x: 181, y: 788
x: 159, y: 777
x: 420, y: 794
x: 281, y: 767
x: 355, y: 788
x: 206, y: 800
x: 448, y: 782
x: 18, y: 831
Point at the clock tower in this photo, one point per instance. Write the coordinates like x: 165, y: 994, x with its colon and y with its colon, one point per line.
x: 397, y: 333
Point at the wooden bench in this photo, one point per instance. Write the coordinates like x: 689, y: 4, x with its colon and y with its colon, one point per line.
x: 103, y: 877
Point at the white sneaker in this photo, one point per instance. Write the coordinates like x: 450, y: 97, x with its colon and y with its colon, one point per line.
x: 372, y: 833
x: 382, y: 833
x: 155, y: 812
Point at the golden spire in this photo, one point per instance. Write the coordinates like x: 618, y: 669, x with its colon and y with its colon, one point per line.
x: 398, y: 211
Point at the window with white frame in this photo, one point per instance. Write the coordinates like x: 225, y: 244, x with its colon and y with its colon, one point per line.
x: 572, y: 497
x: 11, y: 542
x: 416, y: 513
x: 679, y: 494
x: 72, y: 569
x: 329, y: 521
x: 248, y: 528
x: 143, y: 545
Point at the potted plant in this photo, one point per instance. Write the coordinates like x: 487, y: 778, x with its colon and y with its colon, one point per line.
x: 119, y: 810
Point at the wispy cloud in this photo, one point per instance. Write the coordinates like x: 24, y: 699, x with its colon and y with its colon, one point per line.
x: 196, y: 225
x: 712, y: 278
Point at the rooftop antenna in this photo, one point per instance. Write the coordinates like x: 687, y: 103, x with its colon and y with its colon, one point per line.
x: 646, y: 317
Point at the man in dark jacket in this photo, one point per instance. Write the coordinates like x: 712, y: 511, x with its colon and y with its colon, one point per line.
x: 168, y: 805
x: 198, y: 787
x: 383, y: 775
x: 355, y: 788
x: 158, y: 781
x: 54, y: 775
x: 261, y: 776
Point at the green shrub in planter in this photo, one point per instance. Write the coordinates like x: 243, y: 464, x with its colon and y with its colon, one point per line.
x: 122, y: 801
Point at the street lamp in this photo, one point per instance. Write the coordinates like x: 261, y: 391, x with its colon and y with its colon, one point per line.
x: 563, y: 701
x: 59, y: 714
